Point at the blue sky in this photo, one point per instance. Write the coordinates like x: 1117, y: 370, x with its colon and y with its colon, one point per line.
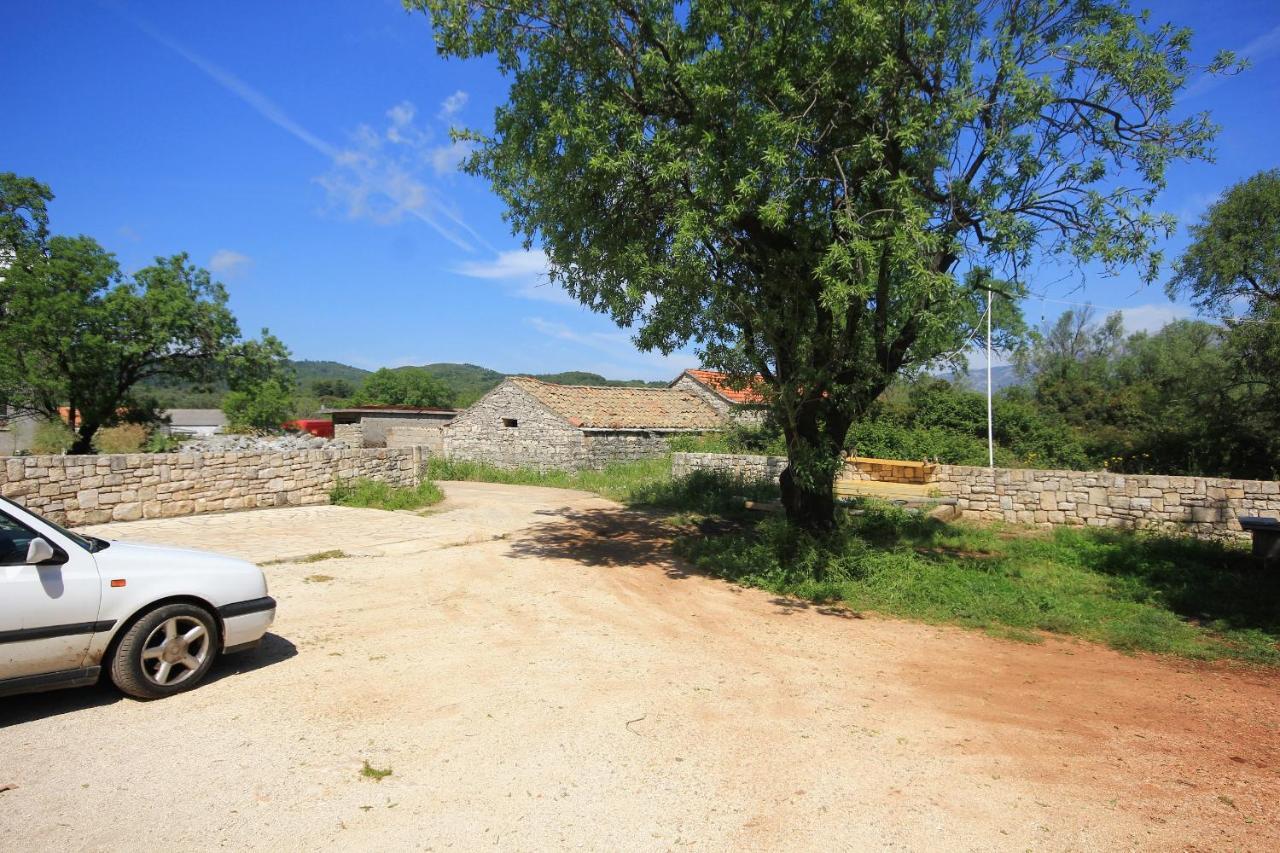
x: 301, y: 152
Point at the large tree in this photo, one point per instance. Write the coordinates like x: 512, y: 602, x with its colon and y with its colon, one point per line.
x: 799, y: 188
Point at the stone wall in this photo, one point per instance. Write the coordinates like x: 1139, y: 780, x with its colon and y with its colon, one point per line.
x: 352, y: 434
x: 93, y: 489
x: 1204, y: 506
x: 429, y: 438
x: 743, y: 466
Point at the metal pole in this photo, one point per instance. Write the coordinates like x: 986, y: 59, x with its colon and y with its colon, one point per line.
x: 991, y: 442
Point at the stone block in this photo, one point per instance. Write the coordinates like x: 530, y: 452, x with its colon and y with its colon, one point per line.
x: 126, y: 512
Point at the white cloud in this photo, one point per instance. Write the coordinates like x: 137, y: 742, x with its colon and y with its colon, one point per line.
x: 363, y: 179
x: 229, y: 263
x: 523, y: 273
x: 452, y: 105
x: 446, y: 159
x: 1150, y: 318
x: 1260, y: 48
x: 384, y: 183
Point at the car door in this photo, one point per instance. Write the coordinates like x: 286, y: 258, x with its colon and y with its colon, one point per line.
x: 48, y: 612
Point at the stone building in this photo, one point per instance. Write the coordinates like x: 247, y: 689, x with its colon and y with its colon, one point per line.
x: 745, y: 406
x: 527, y: 423
x: 391, y: 426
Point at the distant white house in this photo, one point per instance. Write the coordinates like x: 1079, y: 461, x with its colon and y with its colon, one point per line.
x: 198, y: 423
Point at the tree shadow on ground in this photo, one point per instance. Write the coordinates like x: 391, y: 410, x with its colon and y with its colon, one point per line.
x: 604, y: 537
x: 1205, y: 581
x: 37, y: 706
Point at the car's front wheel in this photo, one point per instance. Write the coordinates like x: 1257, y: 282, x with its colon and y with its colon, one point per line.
x: 166, y: 651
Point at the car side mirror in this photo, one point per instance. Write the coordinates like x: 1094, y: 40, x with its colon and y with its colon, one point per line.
x: 39, y: 551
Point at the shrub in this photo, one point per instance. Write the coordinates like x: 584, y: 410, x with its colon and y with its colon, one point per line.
x: 375, y: 494
x: 52, y: 438
x: 123, y: 438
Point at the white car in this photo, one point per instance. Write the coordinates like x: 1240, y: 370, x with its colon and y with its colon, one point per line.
x: 155, y: 618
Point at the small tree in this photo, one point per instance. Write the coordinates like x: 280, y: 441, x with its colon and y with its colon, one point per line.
x: 261, y: 408
x: 800, y: 189
x: 261, y: 382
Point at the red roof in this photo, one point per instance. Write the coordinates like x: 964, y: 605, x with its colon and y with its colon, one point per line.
x: 719, y: 383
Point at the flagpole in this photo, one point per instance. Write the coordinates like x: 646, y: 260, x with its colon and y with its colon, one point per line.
x: 991, y: 444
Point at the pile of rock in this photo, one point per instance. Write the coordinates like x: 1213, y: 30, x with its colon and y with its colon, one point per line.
x: 260, y: 443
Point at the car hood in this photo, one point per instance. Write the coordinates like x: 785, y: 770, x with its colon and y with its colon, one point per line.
x: 137, y: 557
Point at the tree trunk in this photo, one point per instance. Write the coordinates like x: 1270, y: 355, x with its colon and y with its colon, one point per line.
x: 809, y: 509
x: 814, y: 443
x: 84, y: 438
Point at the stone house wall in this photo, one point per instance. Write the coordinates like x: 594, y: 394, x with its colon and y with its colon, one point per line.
x: 1204, y: 506
x: 375, y: 427
x: 605, y: 447
x: 429, y: 438
x: 352, y: 434
x: 92, y: 489
x: 538, y: 439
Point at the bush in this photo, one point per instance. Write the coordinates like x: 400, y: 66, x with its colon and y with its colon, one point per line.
x: 375, y: 494
x: 123, y: 438
x: 52, y: 438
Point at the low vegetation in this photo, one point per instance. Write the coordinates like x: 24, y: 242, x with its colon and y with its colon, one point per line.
x: 374, y: 494
x: 644, y: 483
x: 1132, y: 591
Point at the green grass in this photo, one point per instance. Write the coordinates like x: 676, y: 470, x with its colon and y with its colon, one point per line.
x: 375, y: 494
x: 368, y: 771
x: 1131, y: 591
x: 645, y: 483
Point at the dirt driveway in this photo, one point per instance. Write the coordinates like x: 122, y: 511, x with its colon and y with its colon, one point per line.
x: 538, y: 673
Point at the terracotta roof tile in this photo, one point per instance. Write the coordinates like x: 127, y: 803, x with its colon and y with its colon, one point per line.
x: 612, y: 407
x: 719, y: 383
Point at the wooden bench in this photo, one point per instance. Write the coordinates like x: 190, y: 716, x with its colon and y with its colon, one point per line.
x: 1266, y: 539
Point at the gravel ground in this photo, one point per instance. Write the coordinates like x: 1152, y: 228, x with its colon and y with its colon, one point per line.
x: 537, y: 672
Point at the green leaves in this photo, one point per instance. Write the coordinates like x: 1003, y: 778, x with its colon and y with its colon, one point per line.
x: 405, y: 386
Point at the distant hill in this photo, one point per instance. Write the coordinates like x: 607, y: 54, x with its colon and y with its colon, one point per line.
x: 1002, y: 376
x: 309, y: 371
x: 469, y: 382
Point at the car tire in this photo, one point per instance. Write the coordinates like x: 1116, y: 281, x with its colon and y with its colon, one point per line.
x: 165, y: 651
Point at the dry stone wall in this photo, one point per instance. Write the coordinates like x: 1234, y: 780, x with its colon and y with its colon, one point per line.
x: 92, y: 489
x: 1204, y: 506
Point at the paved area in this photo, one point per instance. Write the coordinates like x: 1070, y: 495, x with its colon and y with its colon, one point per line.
x: 538, y: 672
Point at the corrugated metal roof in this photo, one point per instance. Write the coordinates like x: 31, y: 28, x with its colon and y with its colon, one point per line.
x: 196, y: 417
x: 612, y: 407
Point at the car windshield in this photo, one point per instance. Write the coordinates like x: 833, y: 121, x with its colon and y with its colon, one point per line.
x: 90, y: 544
